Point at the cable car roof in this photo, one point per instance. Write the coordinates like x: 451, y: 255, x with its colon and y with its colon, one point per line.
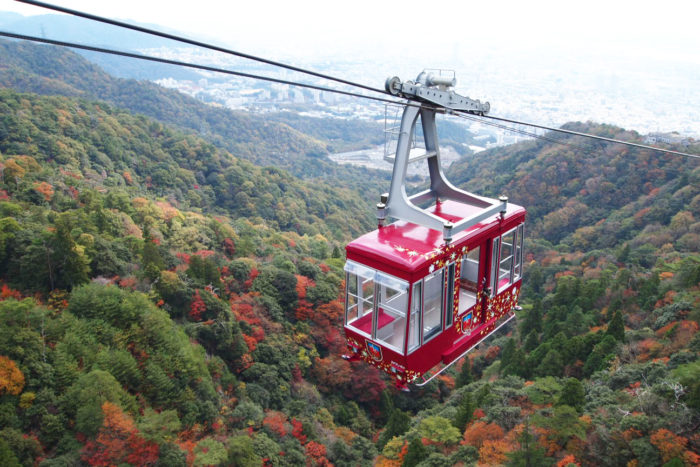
x: 408, y: 247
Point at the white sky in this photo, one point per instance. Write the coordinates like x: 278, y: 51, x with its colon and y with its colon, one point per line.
x: 383, y: 28
x: 631, y: 63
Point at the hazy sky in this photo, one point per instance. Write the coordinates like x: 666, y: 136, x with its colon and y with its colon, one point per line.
x: 631, y: 63
x: 384, y: 28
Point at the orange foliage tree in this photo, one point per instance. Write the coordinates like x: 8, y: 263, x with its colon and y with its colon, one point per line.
x: 45, y: 190
x: 672, y: 446
x: 11, y: 378
x: 479, y: 432
x: 494, y: 452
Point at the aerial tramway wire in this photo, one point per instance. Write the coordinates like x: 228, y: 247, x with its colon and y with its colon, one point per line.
x: 588, y: 135
x: 522, y: 132
x: 195, y: 66
x: 204, y: 45
x: 292, y: 68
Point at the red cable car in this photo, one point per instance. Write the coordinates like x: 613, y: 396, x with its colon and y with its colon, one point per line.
x: 424, y: 290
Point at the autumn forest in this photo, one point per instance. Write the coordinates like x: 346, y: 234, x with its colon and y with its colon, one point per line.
x: 171, y: 280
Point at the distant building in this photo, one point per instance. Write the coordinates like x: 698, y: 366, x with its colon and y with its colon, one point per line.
x: 666, y: 138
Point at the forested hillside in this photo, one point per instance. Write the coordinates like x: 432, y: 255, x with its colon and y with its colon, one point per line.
x: 51, y: 70
x: 164, y: 302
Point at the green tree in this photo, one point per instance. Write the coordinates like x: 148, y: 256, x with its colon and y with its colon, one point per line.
x: 151, y: 259
x: 71, y: 263
x: 507, y: 352
x: 7, y: 457
x: 465, y: 411
x: 465, y: 374
x: 601, y: 354
x: 439, y: 429
x: 551, y: 365
x: 533, y: 319
x: 398, y: 424
x: 531, y: 341
x: 170, y: 455
x: 517, y: 365
x: 416, y: 453
x: 241, y: 452
x: 616, y: 328
x: 530, y: 454
x: 572, y: 394
x: 386, y: 407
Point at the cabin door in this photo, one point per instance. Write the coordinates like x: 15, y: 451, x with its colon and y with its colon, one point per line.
x: 470, y: 287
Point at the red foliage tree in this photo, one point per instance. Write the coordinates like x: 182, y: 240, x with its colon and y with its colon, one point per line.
x: 253, y: 274
x: 298, y: 431
x: 197, y: 307
x: 316, y: 454
x: 366, y: 383
x: 229, y: 247
x: 276, y: 422
x: 118, y: 442
x: 7, y: 292
x: 332, y: 373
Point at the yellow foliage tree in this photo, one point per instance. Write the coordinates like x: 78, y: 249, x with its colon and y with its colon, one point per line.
x: 11, y: 378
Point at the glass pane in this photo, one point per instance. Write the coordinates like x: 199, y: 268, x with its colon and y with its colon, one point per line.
x: 469, y: 279
x: 351, y: 306
x: 359, y: 302
x: 506, y: 263
x: 414, y: 327
x: 391, y: 317
x: 351, y: 282
x: 359, y: 270
x: 519, y: 253
x: 450, y: 298
x: 432, y: 304
x: 469, y: 274
x: 494, y: 265
x: 391, y: 281
x: 367, y: 289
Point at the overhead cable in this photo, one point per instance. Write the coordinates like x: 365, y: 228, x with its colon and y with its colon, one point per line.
x: 282, y: 65
x: 523, y: 132
x: 192, y: 65
x: 588, y: 135
x: 204, y: 45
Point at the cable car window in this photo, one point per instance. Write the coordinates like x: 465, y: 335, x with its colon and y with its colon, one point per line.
x: 414, y: 325
x: 432, y: 304
x: 469, y: 279
x: 450, y: 297
x: 359, y: 298
x: 506, y: 264
x: 391, y: 316
x: 494, y: 265
x: 519, y: 254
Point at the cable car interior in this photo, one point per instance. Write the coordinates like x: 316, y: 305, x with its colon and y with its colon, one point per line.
x: 424, y: 290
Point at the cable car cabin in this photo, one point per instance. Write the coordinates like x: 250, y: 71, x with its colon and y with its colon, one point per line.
x: 413, y: 302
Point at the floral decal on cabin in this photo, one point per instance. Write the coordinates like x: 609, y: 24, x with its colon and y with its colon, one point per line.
x: 374, y: 351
